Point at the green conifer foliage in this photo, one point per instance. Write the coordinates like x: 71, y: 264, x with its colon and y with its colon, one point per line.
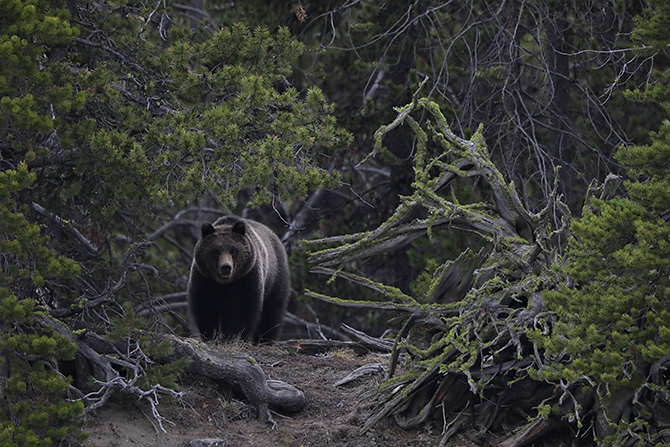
x: 614, y: 323
x: 613, y: 328
x: 112, y: 114
x: 35, y: 406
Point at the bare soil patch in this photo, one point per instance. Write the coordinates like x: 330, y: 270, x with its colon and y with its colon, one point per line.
x: 333, y: 416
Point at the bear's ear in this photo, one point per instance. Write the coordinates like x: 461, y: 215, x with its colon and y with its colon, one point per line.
x: 206, y: 229
x: 239, y: 228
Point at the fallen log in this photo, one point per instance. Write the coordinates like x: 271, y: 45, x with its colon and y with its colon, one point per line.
x: 242, y: 371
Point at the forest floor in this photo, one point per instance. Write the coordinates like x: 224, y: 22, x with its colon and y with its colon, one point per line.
x: 333, y: 415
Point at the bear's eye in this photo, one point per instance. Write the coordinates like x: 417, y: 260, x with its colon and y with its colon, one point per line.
x: 233, y: 252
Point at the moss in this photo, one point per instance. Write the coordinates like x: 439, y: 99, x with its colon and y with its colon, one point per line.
x: 459, y: 338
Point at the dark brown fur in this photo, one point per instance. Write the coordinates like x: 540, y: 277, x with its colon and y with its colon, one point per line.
x: 240, y: 281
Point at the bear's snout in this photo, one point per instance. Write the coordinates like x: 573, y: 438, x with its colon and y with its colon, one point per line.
x: 226, y: 270
x: 226, y: 265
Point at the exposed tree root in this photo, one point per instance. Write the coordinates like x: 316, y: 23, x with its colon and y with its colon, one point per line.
x: 242, y: 371
x: 117, y: 368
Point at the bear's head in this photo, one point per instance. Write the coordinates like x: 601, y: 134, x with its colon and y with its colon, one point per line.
x: 224, y: 253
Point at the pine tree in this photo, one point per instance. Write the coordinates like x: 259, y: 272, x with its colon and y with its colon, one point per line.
x: 614, y: 321
x: 112, y: 116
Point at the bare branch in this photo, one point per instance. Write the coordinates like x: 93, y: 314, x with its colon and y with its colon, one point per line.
x: 66, y: 226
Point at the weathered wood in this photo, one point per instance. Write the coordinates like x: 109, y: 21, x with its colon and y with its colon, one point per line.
x: 312, y: 347
x: 375, y: 344
x: 242, y: 371
x: 239, y: 370
x: 534, y: 430
x: 466, y: 337
x: 371, y: 368
x: 324, y: 331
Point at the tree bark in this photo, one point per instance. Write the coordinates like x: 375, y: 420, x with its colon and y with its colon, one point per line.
x: 241, y: 371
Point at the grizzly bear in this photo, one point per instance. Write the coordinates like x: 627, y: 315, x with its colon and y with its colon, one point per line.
x: 240, y: 281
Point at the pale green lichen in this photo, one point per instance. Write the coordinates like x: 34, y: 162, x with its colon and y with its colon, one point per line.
x: 455, y: 338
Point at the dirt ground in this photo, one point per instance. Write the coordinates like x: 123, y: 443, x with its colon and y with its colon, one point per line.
x: 333, y: 415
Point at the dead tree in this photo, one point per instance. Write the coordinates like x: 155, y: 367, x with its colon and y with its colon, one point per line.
x: 470, y: 362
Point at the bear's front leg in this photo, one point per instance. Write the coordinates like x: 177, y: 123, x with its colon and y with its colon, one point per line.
x: 240, y: 310
x: 203, y: 312
x: 274, y: 309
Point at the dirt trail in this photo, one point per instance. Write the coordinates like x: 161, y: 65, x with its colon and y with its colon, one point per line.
x: 333, y: 415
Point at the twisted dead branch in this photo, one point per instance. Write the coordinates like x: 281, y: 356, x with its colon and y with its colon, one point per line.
x: 470, y: 360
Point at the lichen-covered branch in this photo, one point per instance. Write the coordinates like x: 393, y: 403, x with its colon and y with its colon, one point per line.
x: 469, y: 357
x: 456, y: 157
